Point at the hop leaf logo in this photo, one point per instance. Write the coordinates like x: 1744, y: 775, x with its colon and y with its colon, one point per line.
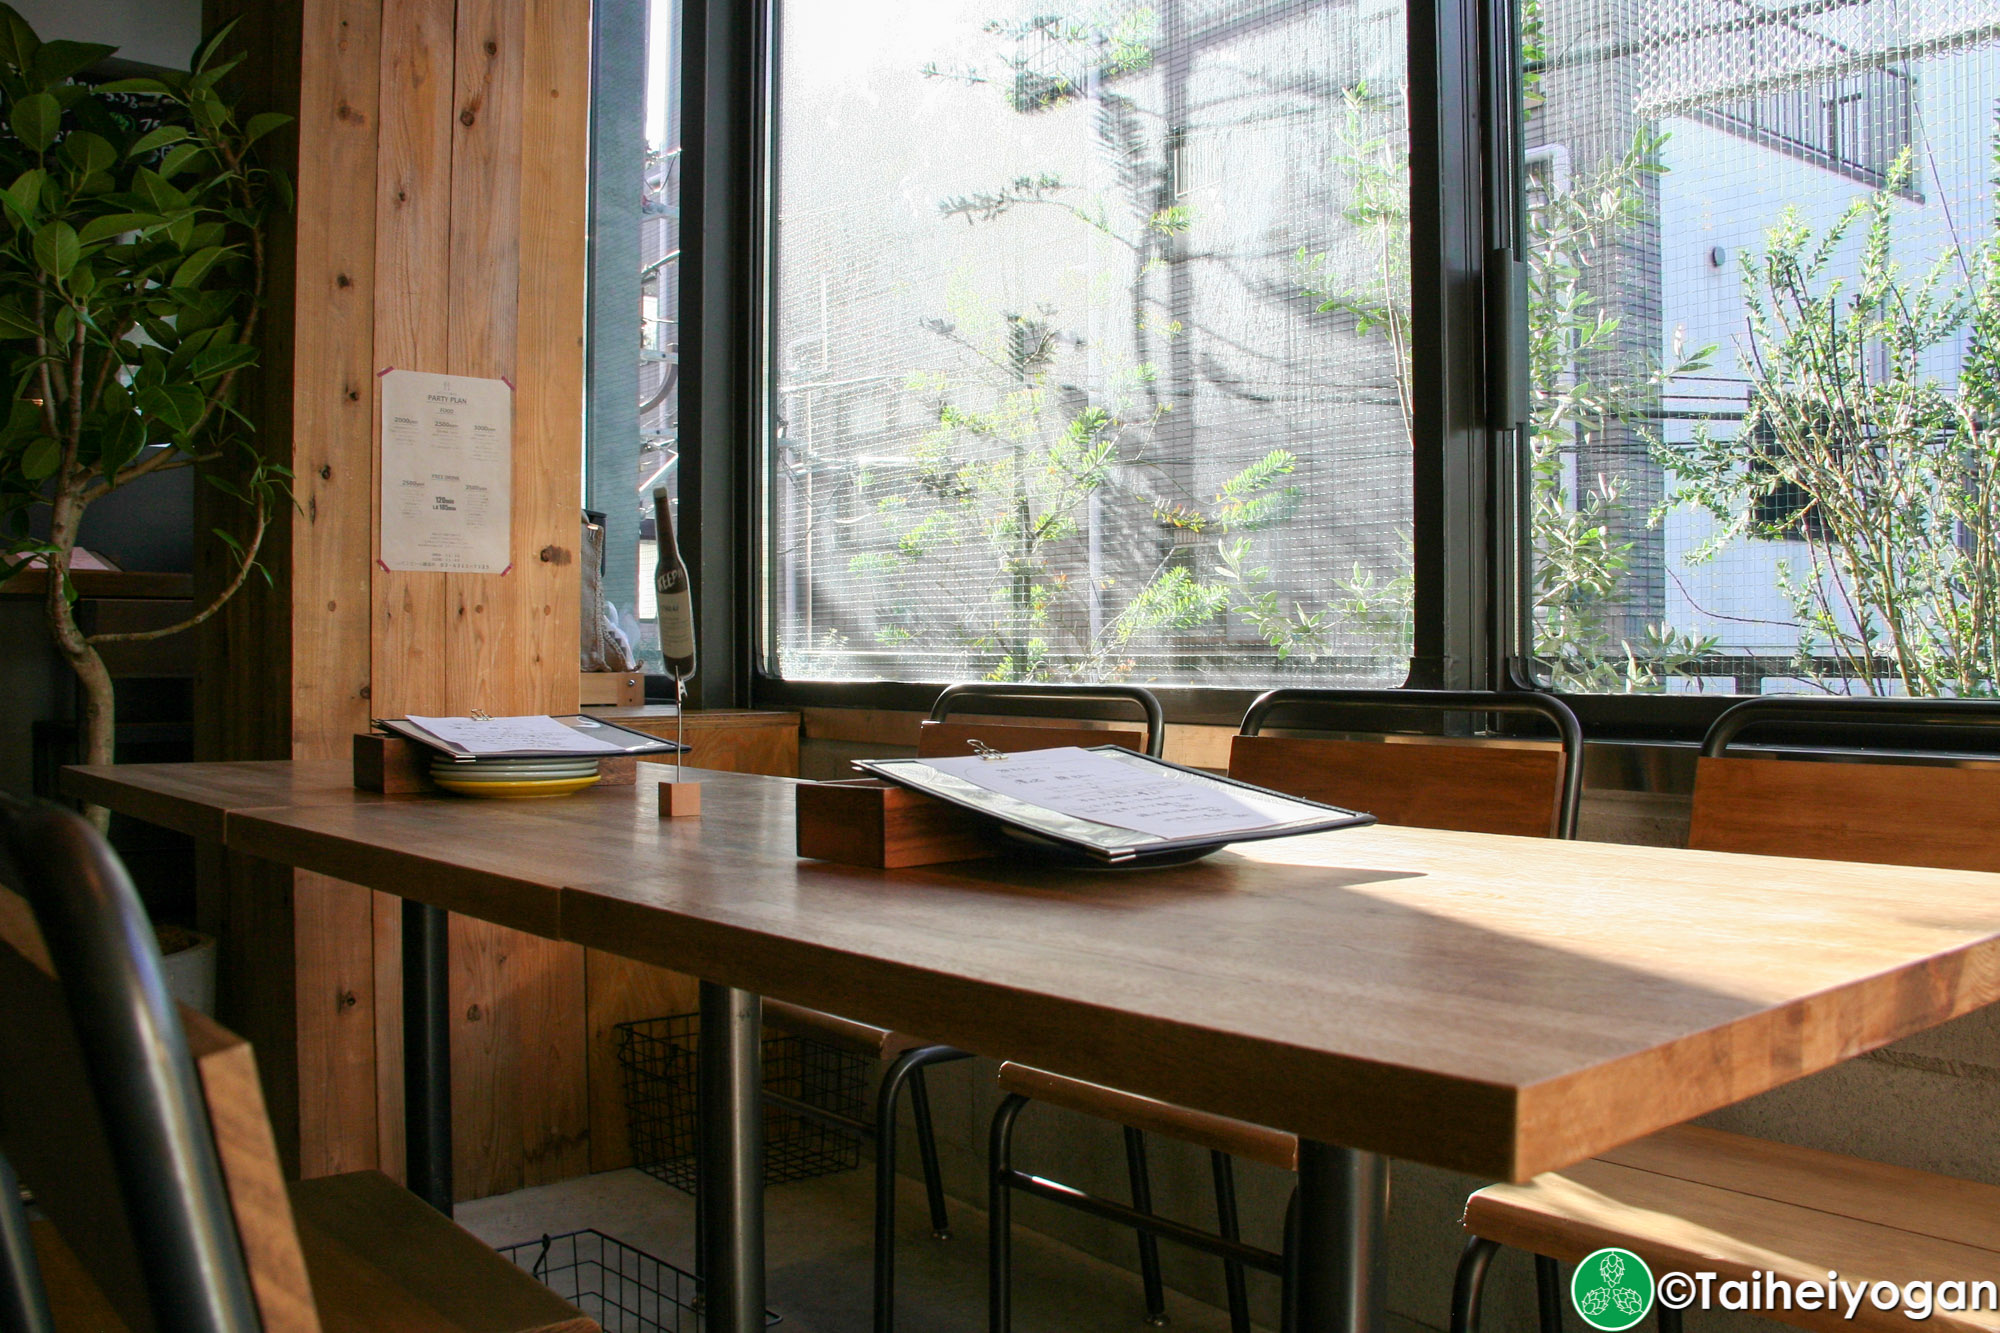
x: 1612, y: 1290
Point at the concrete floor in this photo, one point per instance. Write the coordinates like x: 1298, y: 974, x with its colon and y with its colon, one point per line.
x: 819, y: 1256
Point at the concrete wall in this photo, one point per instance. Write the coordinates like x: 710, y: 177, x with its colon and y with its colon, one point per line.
x: 154, y: 32
x: 1922, y: 1103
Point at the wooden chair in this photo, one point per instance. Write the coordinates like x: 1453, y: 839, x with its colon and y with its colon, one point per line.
x: 142, y: 1132
x: 1473, y: 787
x: 1695, y: 1199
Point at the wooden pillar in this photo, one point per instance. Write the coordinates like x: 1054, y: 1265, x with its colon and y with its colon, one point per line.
x: 441, y: 172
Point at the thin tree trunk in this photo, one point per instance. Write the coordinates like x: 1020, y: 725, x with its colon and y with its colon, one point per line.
x: 98, y: 703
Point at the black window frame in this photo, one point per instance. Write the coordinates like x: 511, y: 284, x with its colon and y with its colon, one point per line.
x: 1469, y: 319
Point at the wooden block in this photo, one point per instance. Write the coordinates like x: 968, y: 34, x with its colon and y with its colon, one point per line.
x: 868, y: 822
x: 621, y: 771
x: 617, y: 689
x: 390, y: 764
x: 680, y: 800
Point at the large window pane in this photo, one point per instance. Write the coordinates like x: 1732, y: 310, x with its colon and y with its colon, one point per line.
x: 632, y: 422
x: 1765, y: 304
x: 1088, y: 357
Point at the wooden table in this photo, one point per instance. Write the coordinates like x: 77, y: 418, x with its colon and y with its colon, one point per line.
x: 1495, y: 1005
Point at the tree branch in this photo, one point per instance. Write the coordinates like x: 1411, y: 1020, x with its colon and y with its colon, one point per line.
x: 242, y: 573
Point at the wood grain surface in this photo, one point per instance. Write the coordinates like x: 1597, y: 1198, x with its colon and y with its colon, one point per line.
x: 1691, y: 1199
x: 1893, y: 814
x: 1496, y: 1005
x: 1426, y: 786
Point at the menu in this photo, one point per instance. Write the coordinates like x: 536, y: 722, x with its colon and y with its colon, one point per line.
x: 1107, y: 790
x: 447, y: 473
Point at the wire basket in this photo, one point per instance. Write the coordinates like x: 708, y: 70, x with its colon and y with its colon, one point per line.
x: 623, y: 1289
x: 659, y: 1059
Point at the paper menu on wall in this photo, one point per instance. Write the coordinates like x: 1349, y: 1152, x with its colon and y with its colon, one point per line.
x: 447, y: 473
x: 1109, y: 790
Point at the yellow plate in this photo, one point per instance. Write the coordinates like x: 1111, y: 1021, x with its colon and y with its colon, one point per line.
x: 534, y: 790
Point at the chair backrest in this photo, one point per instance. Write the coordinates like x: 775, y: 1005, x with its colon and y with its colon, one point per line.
x: 140, y: 1127
x: 1506, y: 786
x: 1936, y: 815
x: 938, y: 737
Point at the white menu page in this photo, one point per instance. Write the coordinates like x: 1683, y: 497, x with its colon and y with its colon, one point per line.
x: 511, y: 735
x: 1075, y: 781
x: 447, y: 473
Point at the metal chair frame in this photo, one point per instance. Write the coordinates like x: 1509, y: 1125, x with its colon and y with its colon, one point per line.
x: 142, y: 1080
x: 1469, y: 1282
x: 954, y: 696
x: 1225, y: 1242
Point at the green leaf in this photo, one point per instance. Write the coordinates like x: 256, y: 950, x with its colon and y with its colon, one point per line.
x: 157, y: 192
x: 132, y: 86
x: 88, y: 153
x: 123, y: 438
x: 195, y: 267
x: 15, y: 324
x: 262, y: 124
x: 41, y: 459
x: 56, y: 61
x: 116, y: 224
x: 157, y: 138
x: 214, y: 362
x: 35, y: 120
x: 56, y: 249
x: 210, y: 45
x: 178, y: 158
x: 17, y: 41
x: 24, y: 197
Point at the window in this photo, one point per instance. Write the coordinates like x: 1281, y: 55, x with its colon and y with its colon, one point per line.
x: 1088, y: 353
x: 1760, y: 244
x: 631, y: 443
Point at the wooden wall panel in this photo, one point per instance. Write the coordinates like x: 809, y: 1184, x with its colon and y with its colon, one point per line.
x: 441, y: 160
x: 332, y: 459
x: 412, y: 193
x: 412, y: 197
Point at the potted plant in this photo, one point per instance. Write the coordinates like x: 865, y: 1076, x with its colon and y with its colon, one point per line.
x: 133, y: 219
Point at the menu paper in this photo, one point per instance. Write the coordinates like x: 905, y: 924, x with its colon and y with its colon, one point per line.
x: 447, y: 473
x: 1099, y: 787
x: 485, y: 736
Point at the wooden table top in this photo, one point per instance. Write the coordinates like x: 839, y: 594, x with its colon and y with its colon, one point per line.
x: 1497, y: 1005
x: 196, y: 798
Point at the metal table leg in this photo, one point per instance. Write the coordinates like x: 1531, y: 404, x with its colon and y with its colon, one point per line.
x: 1343, y: 1195
x: 731, y: 1164
x: 427, y: 1052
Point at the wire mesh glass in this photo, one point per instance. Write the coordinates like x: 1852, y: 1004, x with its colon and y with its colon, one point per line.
x: 624, y: 1289
x: 658, y: 1057
x: 1727, y: 500
x: 1089, y: 356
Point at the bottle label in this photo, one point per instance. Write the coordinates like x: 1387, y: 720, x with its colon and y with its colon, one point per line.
x: 676, y: 624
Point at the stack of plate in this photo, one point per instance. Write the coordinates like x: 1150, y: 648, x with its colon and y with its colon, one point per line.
x: 513, y: 779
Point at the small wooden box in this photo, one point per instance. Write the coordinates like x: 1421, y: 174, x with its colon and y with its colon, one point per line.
x: 621, y: 689
x: 869, y: 822
x: 390, y: 764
